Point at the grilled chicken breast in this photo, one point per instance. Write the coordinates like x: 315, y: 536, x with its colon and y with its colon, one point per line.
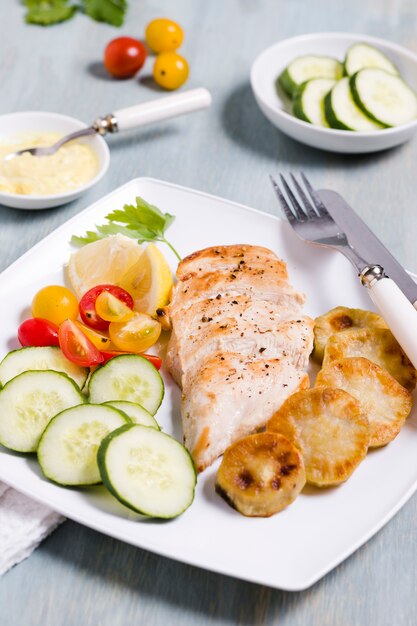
x: 239, y: 344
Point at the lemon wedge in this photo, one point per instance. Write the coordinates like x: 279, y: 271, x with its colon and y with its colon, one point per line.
x: 103, y: 261
x: 149, y: 281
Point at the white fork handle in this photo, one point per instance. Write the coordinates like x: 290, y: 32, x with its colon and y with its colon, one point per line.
x: 162, y: 108
x: 399, y: 314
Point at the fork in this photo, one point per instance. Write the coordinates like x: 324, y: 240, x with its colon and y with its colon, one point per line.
x: 312, y: 222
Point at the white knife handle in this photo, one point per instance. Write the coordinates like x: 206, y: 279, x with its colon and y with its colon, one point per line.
x: 162, y: 108
x: 398, y: 312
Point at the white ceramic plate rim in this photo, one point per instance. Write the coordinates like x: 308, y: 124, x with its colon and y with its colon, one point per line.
x: 47, y: 490
x: 336, y: 35
x: 67, y: 194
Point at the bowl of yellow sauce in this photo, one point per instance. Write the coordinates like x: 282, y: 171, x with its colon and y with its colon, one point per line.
x: 41, y: 182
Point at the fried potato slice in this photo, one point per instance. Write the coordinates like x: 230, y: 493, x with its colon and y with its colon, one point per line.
x: 376, y: 344
x: 383, y: 400
x: 261, y: 474
x: 339, y: 319
x: 328, y: 427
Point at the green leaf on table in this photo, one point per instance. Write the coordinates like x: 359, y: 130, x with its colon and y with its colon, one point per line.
x: 110, y: 11
x: 48, y: 12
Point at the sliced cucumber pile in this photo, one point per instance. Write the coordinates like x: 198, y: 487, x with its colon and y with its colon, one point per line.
x: 128, y: 377
x: 308, y: 103
x: 34, y: 358
x: 372, y: 95
x: 135, y: 412
x: 307, y: 67
x: 362, y: 55
x: 342, y: 112
x: 148, y: 471
x: 110, y: 436
x: 67, y: 451
x: 27, y: 404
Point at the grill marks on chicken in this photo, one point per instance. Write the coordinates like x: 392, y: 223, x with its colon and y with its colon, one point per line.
x: 239, y: 344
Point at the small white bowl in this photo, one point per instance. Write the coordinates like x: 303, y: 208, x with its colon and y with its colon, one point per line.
x: 277, y: 107
x: 34, y: 121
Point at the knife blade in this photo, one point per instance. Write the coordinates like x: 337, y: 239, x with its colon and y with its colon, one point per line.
x: 366, y: 243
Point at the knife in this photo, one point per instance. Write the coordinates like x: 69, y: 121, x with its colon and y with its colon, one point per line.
x: 366, y: 243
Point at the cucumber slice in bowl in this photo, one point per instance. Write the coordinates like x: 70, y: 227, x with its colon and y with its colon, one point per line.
x: 135, y: 412
x: 67, y: 451
x: 307, y: 67
x: 362, y: 55
x: 342, y: 112
x: 27, y: 404
x: 309, y: 100
x: 128, y: 377
x: 385, y: 98
x: 148, y: 471
x: 40, y: 358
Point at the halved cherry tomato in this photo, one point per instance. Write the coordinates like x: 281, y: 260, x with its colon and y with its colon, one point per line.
x: 137, y: 334
x: 100, y: 340
x: 55, y: 303
x: 76, y: 346
x: 38, y: 332
x: 87, y: 304
x: 111, y: 309
x: 155, y: 360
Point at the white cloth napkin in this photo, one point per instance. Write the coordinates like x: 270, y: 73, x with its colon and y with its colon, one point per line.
x: 24, y: 523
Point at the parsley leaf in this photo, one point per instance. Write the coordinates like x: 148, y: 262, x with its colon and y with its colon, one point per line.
x: 143, y: 222
x: 110, y: 11
x: 47, y: 12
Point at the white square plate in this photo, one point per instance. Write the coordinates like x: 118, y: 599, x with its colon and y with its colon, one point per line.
x: 291, y: 550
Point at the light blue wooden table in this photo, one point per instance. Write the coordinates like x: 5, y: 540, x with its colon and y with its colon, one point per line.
x: 79, y: 577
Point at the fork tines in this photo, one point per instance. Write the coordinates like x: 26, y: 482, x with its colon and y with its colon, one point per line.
x: 308, y: 206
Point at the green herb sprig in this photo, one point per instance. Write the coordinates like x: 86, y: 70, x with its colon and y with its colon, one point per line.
x: 143, y: 222
x: 48, y: 12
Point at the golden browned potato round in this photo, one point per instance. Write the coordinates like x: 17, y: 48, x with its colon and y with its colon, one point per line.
x: 376, y: 344
x: 261, y: 474
x: 383, y: 400
x: 330, y: 430
x: 339, y: 319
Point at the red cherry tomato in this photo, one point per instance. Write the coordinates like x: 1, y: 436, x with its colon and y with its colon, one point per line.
x: 155, y: 360
x: 76, y: 346
x: 88, y: 311
x: 38, y: 332
x: 124, y: 56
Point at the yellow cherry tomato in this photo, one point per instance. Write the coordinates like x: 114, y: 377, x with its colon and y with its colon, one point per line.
x: 99, y: 340
x: 111, y: 309
x: 163, y: 35
x: 137, y: 334
x: 56, y: 304
x: 170, y: 70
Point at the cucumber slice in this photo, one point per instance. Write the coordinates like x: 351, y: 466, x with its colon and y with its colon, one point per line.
x: 33, y: 358
x: 67, y: 451
x: 384, y: 97
x: 309, y: 100
x: 128, y: 377
x: 306, y: 67
x: 27, y: 404
x: 362, y: 55
x: 341, y: 110
x: 148, y: 471
x: 135, y: 412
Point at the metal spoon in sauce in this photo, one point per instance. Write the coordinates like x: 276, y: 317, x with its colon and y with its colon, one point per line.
x: 132, y: 117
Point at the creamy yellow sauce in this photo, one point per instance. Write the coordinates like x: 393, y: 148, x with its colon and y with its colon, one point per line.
x: 70, y: 167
